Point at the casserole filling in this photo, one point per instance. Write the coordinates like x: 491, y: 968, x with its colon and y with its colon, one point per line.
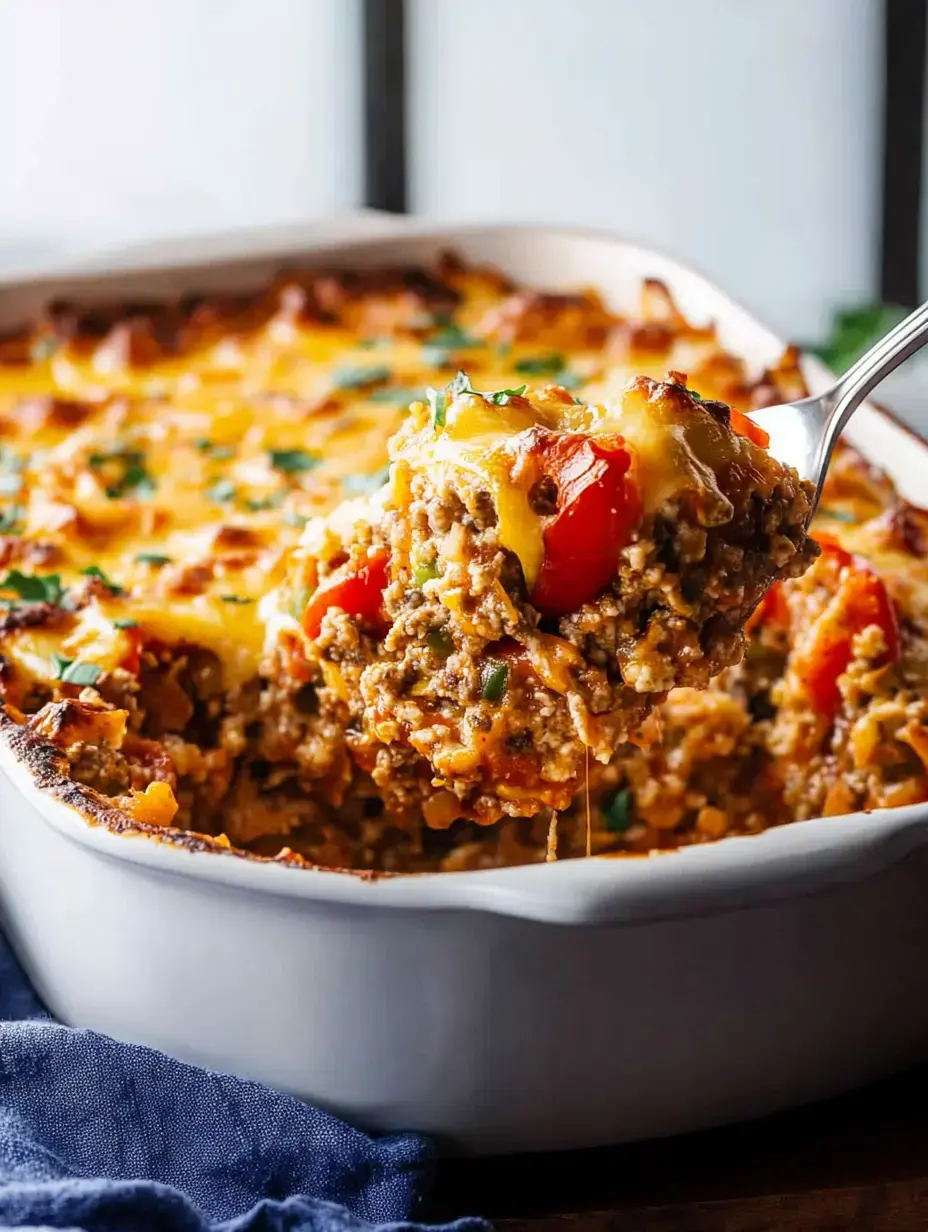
x: 225, y: 615
x: 536, y: 574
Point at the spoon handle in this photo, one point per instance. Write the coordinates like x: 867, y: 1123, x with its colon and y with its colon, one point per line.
x: 863, y: 376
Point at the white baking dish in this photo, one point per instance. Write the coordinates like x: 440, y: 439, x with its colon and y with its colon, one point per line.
x: 548, y: 1006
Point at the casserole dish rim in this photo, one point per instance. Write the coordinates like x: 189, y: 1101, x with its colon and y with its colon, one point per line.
x: 796, y: 858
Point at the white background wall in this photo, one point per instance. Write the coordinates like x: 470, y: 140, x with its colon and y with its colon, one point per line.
x: 742, y: 135
x: 127, y: 119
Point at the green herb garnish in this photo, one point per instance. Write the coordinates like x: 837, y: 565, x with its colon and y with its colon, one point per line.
x: 125, y: 624
x: 454, y: 338
x: 34, y: 588
x: 97, y: 572
x: 362, y: 485
x: 136, y: 480
x: 59, y: 665
x: 153, y: 558
x: 293, y: 461
x: 235, y: 599
x: 10, y: 519
x: 462, y: 385
x: 402, y: 395
x: 221, y: 453
x: 125, y: 471
x: 541, y: 365
x: 221, y: 492
x: 438, y: 407
x: 495, y: 677
x: 501, y: 396
x: 357, y: 377
x: 436, y: 356
x: 274, y: 501
x: 73, y: 671
x: 617, y: 810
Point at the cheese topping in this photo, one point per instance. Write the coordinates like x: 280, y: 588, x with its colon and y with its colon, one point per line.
x: 169, y: 457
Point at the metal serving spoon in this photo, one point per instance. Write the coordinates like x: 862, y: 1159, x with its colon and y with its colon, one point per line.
x: 803, y: 434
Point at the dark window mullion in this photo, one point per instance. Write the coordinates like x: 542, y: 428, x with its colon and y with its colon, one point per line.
x: 385, y: 181
x: 905, y: 52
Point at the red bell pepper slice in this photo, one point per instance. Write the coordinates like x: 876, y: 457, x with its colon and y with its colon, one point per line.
x: 773, y: 609
x: 860, y: 599
x: 358, y: 593
x: 598, y: 504
x: 745, y: 426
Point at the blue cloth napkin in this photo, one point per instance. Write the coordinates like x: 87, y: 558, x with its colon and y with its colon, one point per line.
x: 98, y: 1136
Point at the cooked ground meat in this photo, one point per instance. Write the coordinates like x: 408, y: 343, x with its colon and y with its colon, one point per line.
x: 167, y: 661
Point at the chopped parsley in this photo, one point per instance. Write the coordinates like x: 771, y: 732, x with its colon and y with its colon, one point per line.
x: 221, y: 453
x: 136, y: 480
x: 438, y: 407
x: 436, y: 356
x: 351, y: 377
x: 495, y: 678
x: 292, y: 518
x: 293, y: 461
x: 97, y: 572
x: 440, y: 642
x: 453, y: 338
x: 221, y: 492
x: 73, y: 671
x: 501, y: 396
x: 125, y: 624
x: 10, y: 519
x: 426, y: 573
x: 462, y: 385
x: 617, y: 810
x: 34, y: 588
x: 153, y: 558
x: 363, y: 485
x: 124, y: 472
x: 274, y: 501
x: 402, y: 395
x: 59, y: 665
x: 541, y: 365
x: 235, y: 599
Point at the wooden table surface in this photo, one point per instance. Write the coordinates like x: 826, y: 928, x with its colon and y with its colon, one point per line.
x: 858, y: 1161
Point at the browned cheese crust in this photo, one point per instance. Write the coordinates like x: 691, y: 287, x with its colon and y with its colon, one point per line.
x: 158, y: 465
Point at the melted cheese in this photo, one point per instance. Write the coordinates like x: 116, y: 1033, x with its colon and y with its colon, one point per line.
x: 215, y: 458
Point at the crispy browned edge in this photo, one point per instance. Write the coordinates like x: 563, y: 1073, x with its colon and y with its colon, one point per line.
x: 46, y: 763
x: 48, y: 767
